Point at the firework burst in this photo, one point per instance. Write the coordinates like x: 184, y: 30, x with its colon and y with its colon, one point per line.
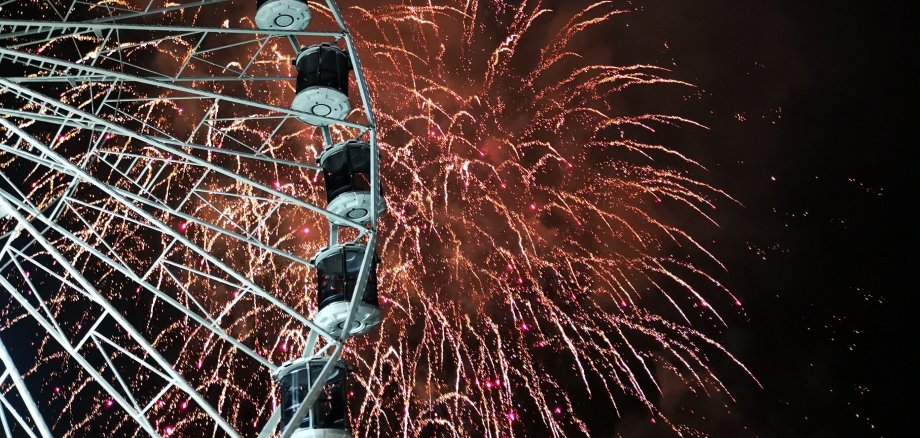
x: 526, y: 261
x: 524, y: 241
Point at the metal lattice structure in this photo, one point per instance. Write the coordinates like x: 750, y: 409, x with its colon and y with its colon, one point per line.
x: 150, y: 208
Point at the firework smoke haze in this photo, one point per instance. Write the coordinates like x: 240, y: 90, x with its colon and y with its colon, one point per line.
x: 533, y: 253
x: 528, y: 243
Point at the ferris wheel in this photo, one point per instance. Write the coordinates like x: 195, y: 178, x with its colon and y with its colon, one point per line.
x: 165, y: 167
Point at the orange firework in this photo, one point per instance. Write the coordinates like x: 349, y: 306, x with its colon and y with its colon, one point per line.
x: 523, y: 240
x: 533, y: 252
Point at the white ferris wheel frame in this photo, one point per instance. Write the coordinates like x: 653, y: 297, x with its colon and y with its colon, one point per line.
x: 36, y: 222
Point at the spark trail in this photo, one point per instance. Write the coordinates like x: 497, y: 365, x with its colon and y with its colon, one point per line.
x: 525, y: 241
x: 527, y: 261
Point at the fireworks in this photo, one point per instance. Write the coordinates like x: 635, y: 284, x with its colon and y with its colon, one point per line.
x: 526, y: 261
x: 524, y: 243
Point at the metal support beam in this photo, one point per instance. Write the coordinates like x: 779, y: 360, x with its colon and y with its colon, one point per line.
x: 24, y: 393
x: 90, y: 74
x: 144, y: 171
x: 102, y: 301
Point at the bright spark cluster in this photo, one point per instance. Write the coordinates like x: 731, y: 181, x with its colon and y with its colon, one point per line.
x: 535, y: 267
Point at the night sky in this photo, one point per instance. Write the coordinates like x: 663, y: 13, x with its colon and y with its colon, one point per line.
x: 800, y: 100
x: 800, y: 103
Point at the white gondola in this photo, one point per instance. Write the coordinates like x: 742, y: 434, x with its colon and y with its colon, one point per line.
x: 337, y: 270
x: 347, y: 172
x: 282, y: 14
x: 322, y: 84
x: 328, y: 417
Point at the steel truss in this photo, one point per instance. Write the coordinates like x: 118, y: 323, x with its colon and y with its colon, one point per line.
x: 116, y: 180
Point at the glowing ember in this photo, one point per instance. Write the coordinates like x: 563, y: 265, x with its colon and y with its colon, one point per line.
x: 524, y: 201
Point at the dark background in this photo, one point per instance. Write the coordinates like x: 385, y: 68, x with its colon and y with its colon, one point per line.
x: 803, y: 104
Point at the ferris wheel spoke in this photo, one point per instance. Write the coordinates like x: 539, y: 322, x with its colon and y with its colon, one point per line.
x: 145, y: 190
x: 146, y: 157
x: 109, y: 6
x: 137, y: 70
x: 164, y: 366
x: 190, y: 270
x: 74, y: 112
x: 73, y: 204
x: 222, y: 214
x: 211, y: 324
x: 20, y: 257
x: 249, y: 184
x: 4, y: 403
x: 213, y: 320
x: 4, y: 422
x: 197, y: 221
x: 158, y: 204
x: 271, y: 424
x: 56, y: 30
x: 207, y: 322
x: 249, y: 287
x: 58, y: 335
x: 167, y: 230
x: 47, y: 118
x: 197, y: 79
x: 111, y: 366
x: 149, y: 10
x: 57, y: 120
x: 23, y: 391
x: 91, y: 74
x: 224, y: 151
x: 118, y: 397
x: 35, y: 159
x: 252, y: 59
x: 102, y: 339
x: 252, y: 153
x: 156, y: 399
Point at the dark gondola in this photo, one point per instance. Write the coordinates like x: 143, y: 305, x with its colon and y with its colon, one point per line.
x: 337, y: 270
x: 322, y: 84
x: 347, y: 172
x: 328, y: 417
